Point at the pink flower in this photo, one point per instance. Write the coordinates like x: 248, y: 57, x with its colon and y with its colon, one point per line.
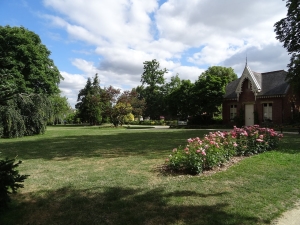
x: 174, y: 149
x: 186, y: 149
x: 203, y: 152
x: 261, y: 136
x: 235, y: 144
x: 259, y: 140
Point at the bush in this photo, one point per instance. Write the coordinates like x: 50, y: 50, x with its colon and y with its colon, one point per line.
x: 218, y: 147
x: 10, y: 180
x: 254, y: 139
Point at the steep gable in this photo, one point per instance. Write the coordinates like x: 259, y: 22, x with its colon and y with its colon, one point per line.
x: 262, y: 84
x: 254, y: 78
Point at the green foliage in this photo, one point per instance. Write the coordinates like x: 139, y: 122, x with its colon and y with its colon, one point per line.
x: 218, y: 147
x: 60, y: 109
x: 119, y: 112
x: 25, y: 63
x: 137, y: 103
x: 153, y: 94
x: 25, y: 115
x: 202, y: 154
x: 90, y: 102
x: 10, y: 180
x: 152, y: 75
x: 254, y: 139
x: 209, y: 89
x: 179, y: 100
x: 27, y: 78
x: 288, y: 32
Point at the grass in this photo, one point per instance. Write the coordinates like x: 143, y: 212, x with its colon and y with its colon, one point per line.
x: 87, y: 175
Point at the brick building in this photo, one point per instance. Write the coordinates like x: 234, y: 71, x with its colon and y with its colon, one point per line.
x: 256, y: 98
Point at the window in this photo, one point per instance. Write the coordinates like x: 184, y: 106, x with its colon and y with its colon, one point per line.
x: 232, y: 111
x: 267, y: 111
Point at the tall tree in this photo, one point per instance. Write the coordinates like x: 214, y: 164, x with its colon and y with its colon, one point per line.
x: 25, y: 62
x: 27, y: 78
x: 89, y: 102
x: 152, y: 80
x: 209, y: 90
x: 179, y: 101
x: 288, y: 32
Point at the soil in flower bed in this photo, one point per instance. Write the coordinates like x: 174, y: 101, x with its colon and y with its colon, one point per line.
x: 163, y: 169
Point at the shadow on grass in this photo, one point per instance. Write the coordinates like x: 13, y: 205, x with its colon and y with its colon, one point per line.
x: 147, y: 144
x: 290, y: 144
x: 117, y: 205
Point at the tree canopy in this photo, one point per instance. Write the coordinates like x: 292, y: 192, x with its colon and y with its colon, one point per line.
x: 28, y: 77
x: 288, y: 32
x: 25, y: 62
x: 89, y: 104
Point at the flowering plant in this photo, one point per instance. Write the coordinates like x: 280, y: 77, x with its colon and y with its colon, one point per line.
x: 216, y: 148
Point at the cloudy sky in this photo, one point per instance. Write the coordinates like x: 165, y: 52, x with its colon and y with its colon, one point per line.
x: 114, y: 37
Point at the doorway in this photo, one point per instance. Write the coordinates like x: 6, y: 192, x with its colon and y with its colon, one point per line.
x: 249, y: 115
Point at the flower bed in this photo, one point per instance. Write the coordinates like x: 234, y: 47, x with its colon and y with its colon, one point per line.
x: 218, y: 147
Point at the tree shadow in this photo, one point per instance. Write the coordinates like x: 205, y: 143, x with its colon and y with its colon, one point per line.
x: 147, y: 144
x: 290, y: 144
x: 116, y: 205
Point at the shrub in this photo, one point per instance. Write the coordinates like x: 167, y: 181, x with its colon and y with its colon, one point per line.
x: 254, y: 139
x: 218, y: 147
x: 10, y: 180
x: 202, y: 154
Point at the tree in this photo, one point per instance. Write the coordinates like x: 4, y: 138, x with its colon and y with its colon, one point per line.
x: 89, y: 102
x: 137, y: 103
x: 60, y: 108
x: 288, y: 32
x: 153, y: 77
x: 24, y: 115
x: 179, y: 101
x: 25, y: 62
x: 109, y: 99
x: 10, y: 180
x: 27, y: 78
x: 118, y: 113
x: 209, y: 89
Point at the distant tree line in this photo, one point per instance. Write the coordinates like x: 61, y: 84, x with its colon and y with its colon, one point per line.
x: 155, y: 98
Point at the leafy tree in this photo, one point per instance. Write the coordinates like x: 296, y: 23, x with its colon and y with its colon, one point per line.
x: 89, y: 102
x: 60, y: 108
x: 119, y: 112
x: 24, y: 114
x: 179, y: 101
x: 138, y: 104
x: 27, y: 78
x: 10, y: 180
x: 226, y: 74
x: 109, y: 99
x: 288, y: 32
x: 152, y: 75
x: 209, y: 90
x: 25, y: 62
x: 152, y: 80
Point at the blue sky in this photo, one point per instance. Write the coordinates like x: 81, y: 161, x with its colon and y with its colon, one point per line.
x: 114, y: 38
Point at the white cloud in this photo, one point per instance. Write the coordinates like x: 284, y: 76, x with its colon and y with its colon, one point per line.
x: 184, y: 36
x: 71, y: 85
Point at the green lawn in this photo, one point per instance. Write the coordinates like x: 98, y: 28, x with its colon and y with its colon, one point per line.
x: 88, y: 175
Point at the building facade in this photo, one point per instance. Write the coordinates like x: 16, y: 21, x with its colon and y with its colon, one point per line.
x: 258, y: 98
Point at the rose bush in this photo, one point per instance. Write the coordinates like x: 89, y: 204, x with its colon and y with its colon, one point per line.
x: 216, y: 148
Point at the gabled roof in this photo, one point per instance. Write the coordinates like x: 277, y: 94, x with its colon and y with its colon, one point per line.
x: 263, y: 84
